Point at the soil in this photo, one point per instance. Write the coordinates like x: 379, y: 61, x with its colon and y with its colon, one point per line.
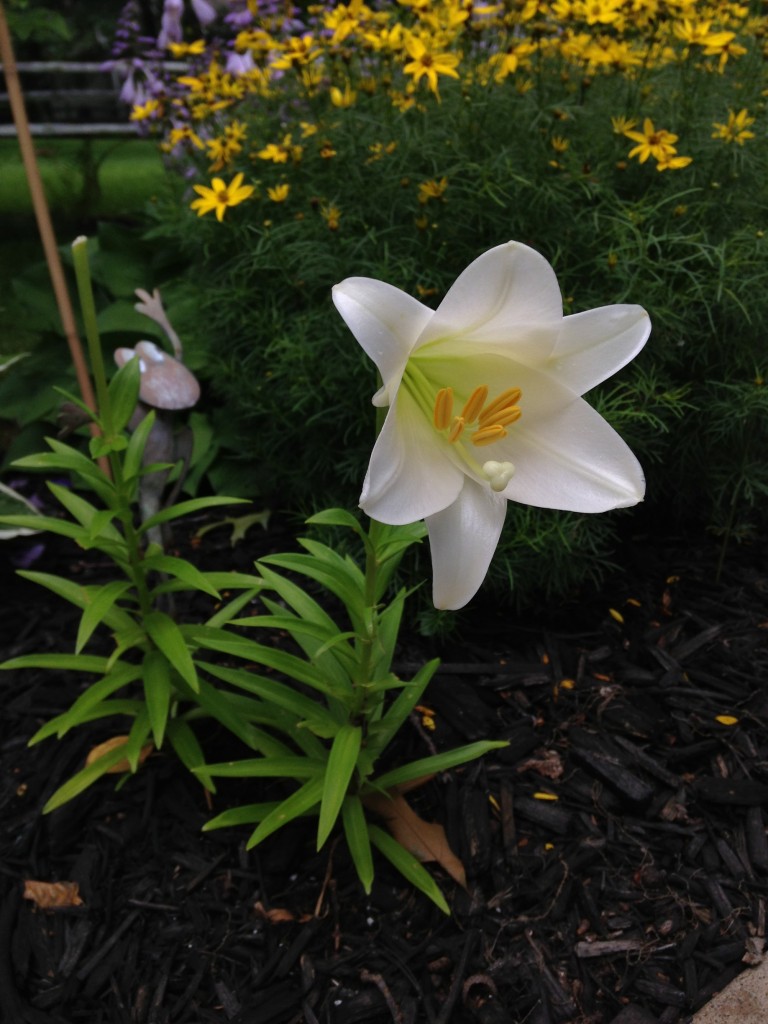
x: 615, y: 851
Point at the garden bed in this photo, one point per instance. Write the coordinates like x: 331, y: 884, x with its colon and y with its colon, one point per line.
x: 616, y: 850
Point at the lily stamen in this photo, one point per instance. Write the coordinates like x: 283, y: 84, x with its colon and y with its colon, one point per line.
x: 506, y: 399
x: 487, y: 435
x: 456, y: 429
x: 509, y: 415
x: 474, y: 404
x: 443, y: 410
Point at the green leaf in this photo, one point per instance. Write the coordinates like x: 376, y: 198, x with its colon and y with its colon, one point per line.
x: 73, y: 662
x: 302, y: 801
x: 291, y: 767
x: 123, y: 395
x: 275, y: 692
x: 94, y: 696
x: 83, y: 779
x: 308, y: 610
x: 103, y: 445
x: 408, y: 866
x: 297, y: 598
x: 245, y: 815
x: 182, y: 570
x: 250, y: 650
x: 337, y: 517
x: 116, y: 618
x: 137, y: 739
x: 341, y: 576
x: 342, y: 761
x: 383, y: 731
x: 259, y: 712
x: 132, y: 460
x: 99, y: 601
x: 436, y: 763
x: 227, y: 612
x: 387, y: 635
x: 60, y: 526
x: 167, y: 636
x: 83, y: 511
x: 358, y: 840
x: 224, y: 709
x: 299, y: 628
x: 184, y: 508
x: 157, y: 692
x: 63, y: 456
x: 189, y: 751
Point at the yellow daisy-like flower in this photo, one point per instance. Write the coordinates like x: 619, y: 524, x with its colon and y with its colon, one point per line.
x: 432, y: 189
x: 621, y: 124
x: 429, y: 65
x: 672, y: 162
x: 279, y: 193
x: 331, y: 215
x: 342, y: 98
x: 657, y: 143
x: 736, y: 129
x: 220, y: 196
x: 145, y: 111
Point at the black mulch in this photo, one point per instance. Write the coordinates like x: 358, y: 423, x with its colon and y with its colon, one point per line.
x: 616, y: 850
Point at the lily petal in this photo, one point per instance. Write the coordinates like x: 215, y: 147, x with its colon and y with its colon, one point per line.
x: 408, y: 477
x: 571, y: 460
x: 508, y: 296
x: 462, y: 539
x: 595, y: 344
x: 385, y: 321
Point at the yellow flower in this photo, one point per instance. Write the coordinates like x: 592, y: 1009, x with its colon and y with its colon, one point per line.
x: 220, y: 196
x: 279, y: 193
x: 185, y: 134
x: 279, y: 153
x: 736, y: 129
x: 621, y: 124
x: 342, y: 98
x: 670, y: 162
x: 559, y: 144
x: 186, y: 49
x: 721, y: 44
x: 651, y: 142
x: 331, y: 215
x: 432, y: 189
x: 221, y: 152
x: 144, y: 111
x: 428, y: 64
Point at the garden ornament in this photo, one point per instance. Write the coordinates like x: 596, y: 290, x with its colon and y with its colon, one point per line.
x: 166, y: 386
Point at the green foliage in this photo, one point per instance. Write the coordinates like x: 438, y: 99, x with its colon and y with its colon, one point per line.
x: 330, y: 742
x: 531, y: 155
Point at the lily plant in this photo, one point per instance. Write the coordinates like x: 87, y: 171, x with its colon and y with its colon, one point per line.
x: 484, y: 406
x: 484, y: 399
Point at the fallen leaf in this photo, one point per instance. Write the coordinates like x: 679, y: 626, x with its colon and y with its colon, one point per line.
x: 120, y: 766
x: 279, y: 915
x: 52, y: 895
x: 426, y: 840
x: 545, y: 762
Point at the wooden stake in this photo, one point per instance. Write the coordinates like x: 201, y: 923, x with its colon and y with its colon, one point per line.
x: 42, y: 213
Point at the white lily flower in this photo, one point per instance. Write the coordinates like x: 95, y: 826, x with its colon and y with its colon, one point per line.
x: 485, y: 407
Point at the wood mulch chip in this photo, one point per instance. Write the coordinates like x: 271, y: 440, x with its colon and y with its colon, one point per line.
x: 616, y: 850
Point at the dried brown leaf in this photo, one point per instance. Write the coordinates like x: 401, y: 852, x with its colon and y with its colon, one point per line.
x: 426, y: 840
x: 52, y: 895
x: 545, y: 762
x: 117, y: 741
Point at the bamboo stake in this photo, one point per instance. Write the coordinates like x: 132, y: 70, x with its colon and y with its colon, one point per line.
x: 42, y: 213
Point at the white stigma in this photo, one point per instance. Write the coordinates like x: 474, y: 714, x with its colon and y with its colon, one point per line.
x: 499, y: 474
